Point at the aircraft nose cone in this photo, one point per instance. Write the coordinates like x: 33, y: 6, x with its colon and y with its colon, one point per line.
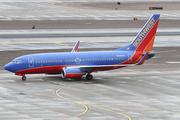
x: 8, y: 67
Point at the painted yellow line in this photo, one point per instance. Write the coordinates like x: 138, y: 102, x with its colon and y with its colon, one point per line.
x: 94, y: 105
x: 132, y: 71
x: 8, y: 45
x: 97, y: 18
x: 86, y: 108
x: 129, y: 118
x: 9, y: 18
x: 55, y: 4
x: 61, y: 44
x: 85, y: 104
x: 101, y: 106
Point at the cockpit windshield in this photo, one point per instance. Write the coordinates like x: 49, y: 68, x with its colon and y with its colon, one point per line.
x: 16, y: 61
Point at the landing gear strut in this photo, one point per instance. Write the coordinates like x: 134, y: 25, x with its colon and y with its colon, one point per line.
x: 89, y: 77
x: 23, y: 78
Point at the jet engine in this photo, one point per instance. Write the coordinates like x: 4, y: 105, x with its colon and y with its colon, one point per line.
x: 69, y: 72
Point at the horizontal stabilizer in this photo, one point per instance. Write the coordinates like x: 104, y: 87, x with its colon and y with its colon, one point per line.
x: 143, y: 59
x: 160, y: 52
x: 145, y: 38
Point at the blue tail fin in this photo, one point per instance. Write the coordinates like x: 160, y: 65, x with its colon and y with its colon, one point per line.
x: 145, y: 38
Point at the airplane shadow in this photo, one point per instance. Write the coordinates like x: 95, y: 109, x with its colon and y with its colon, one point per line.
x: 83, y: 79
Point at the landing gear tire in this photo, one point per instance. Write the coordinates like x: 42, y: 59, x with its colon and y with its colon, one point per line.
x: 89, y: 77
x: 23, y: 78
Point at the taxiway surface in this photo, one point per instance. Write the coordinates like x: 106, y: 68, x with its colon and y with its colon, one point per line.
x: 128, y: 94
x: 150, y: 91
x: 146, y: 92
x: 85, y: 10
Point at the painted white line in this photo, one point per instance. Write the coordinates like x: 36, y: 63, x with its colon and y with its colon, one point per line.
x: 173, y: 62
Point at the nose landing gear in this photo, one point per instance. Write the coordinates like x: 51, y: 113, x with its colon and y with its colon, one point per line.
x: 23, y: 76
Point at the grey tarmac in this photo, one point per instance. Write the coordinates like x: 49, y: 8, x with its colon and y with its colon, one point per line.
x: 119, y: 94
x: 147, y: 92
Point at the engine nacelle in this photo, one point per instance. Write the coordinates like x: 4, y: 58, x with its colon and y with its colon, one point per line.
x: 69, y: 72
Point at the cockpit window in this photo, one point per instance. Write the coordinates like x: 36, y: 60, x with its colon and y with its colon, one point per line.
x: 16, y: 61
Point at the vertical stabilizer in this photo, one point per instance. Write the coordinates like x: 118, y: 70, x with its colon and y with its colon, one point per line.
x: 145, y: 38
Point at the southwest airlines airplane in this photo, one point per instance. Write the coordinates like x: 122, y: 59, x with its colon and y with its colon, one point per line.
x: 76, y: 64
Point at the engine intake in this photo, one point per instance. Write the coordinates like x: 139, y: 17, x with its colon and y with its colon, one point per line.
x: 71, y: 73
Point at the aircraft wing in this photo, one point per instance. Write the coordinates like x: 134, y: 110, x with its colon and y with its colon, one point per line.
x: 91, y: 67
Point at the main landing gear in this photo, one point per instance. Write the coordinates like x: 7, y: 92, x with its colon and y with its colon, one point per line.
x: 89, y: 77
x: 23, y: 78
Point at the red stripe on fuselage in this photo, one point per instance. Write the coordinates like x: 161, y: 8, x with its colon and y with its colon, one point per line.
x: 57, y: 70
x: 46, y: 69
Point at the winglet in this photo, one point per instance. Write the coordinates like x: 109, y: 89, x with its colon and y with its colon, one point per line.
x: 143, y: 59
x: 75, y: 49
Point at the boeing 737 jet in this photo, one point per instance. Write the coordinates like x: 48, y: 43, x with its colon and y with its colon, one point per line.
x: 76, y: 64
